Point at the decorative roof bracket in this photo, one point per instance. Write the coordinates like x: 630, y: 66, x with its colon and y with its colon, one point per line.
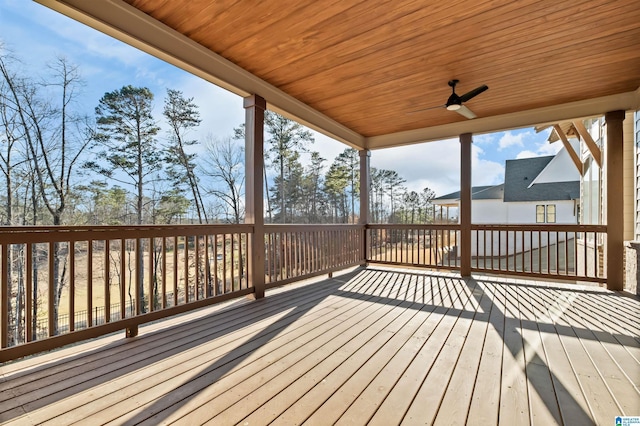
x: 568, y: 147
x: 591, y: 144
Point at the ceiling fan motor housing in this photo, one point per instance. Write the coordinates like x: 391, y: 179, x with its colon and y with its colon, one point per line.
x: 454, y: 102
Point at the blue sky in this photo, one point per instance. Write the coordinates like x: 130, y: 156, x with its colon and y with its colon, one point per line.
x: 38, y: 35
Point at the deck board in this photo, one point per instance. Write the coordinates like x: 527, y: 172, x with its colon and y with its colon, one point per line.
x: 377, y: 345
x: 457, y: 397
x: 543, y: 403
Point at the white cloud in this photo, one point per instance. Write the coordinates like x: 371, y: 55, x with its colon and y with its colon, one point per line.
x: 546, y: 148
x: 484, y: 139
x: 510, y: 139
x: 541, y: 149
x: 436, y: 165
x: 526, y: 154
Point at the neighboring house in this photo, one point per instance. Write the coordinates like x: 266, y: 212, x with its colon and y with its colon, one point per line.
x: 536, y: 190
x: 539, y: 190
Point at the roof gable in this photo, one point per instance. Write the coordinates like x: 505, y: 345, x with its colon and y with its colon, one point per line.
x: 561, y: 168
x: 520, y: 176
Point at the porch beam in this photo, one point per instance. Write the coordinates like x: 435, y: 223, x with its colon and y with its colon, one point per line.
x: 615, y: 212
x: 591, y: 144
x: 365, y: 186
x: 254, y: 197
x: 569, y: 148
x: 465, y: 204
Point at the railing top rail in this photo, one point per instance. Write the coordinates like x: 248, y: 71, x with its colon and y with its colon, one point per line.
x: 45, y: 234
x: 295, y: 227
x: 541, y: 227
x: 413, y: 226
x: 71, y: 228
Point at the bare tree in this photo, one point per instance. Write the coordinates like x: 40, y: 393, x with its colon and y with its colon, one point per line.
x: 55, y: 139
x: 224, y: 164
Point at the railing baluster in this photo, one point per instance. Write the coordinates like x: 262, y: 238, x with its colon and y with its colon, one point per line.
x: 72, y: 284
x: 596, y: 258
x: 233, y: 263
x: 499, y: 250
x: 241, y: 275
x: 107, y: 281
x: 29, y: 292
x: 185, y: 251
x: 122, y: 282
x: 539, y: 270
x: 140, y: 306
x: 557, y: 270
x: 522, y: 248
x: 271, y: 257
x: 51, y: 290
x: 296, y: 253
x: 175, y: 270
x: 163, y: 251
x: 585, y: 239
x: 566, y: 253
x: 487, y: 243
x: 90, y: 283
x: 150, y: 275
x: 196, y: 263
x: 531, y: 251
x: 216, y: 284
x: 507, y: 250
x: 5, y: 293
x: 225, y: 283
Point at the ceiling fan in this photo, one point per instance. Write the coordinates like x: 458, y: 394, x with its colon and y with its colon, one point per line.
x: 455, y: 101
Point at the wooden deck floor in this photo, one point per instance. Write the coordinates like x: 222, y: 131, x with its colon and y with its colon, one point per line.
x: 374, y: 346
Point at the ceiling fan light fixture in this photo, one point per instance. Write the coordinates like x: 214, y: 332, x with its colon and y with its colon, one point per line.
x: 454, y: 107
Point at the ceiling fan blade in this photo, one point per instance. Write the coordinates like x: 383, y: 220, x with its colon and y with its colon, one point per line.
x: 472, y: 94
x: 465, y: 112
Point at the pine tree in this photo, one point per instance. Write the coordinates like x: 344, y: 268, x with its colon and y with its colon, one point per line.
x: 182, y: 115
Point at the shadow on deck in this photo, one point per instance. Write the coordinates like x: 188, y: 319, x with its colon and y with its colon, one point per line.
x: 375, y: 345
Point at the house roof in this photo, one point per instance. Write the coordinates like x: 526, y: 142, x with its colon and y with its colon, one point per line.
x: 519, y: 175
x: 491, y: 192
x: 374, y: 74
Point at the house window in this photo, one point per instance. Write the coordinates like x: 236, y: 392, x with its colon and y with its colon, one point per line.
x: 546, y: 214
x: 551, y: 213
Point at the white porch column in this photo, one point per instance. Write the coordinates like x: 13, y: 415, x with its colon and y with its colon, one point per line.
x: 365, y: 186
x: 254, y: 205
x: 465, y: 205
x: 615, y: 210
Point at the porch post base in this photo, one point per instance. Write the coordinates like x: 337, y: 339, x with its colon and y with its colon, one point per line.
x: 131, y: 331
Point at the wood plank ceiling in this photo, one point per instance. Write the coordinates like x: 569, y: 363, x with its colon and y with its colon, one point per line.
x: 371, y: 66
